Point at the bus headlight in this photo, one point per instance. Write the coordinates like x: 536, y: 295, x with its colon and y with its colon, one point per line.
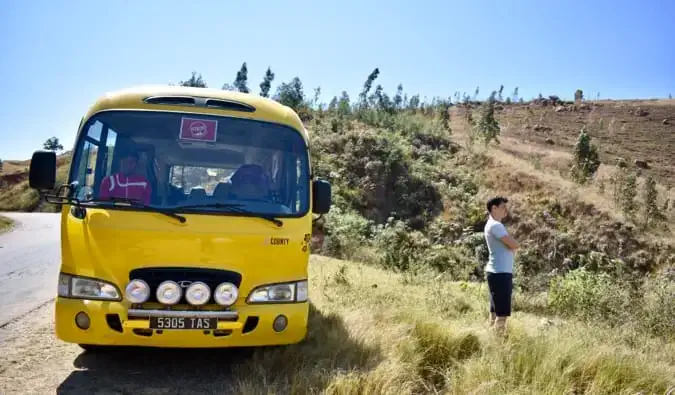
x: 137, y: 291
x: 226, y: 294
x: 275, y: 293
x: 168, y: 292
x: 76, y: 287
x: 198, y: 293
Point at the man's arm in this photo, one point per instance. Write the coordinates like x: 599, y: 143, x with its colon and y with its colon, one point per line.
x: 500, y: 232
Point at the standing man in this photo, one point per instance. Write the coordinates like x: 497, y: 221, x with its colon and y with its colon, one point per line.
x: 499, y: 268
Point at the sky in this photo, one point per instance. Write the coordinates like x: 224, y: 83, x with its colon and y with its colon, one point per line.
x: 59, y: 57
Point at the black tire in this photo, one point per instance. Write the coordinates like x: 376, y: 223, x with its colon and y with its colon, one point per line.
x: 91, y: 347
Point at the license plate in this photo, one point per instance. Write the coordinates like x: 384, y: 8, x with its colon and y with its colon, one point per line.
x: 183, y: 323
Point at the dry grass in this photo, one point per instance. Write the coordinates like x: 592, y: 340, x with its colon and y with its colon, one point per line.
x: 14, y: 166
x: 547, y: 165
x: 372, y: 332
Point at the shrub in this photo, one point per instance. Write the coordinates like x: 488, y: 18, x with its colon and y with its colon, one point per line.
x: 591, y: 296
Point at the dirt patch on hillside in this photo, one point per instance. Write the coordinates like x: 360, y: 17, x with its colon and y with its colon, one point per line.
x: 629, y: 130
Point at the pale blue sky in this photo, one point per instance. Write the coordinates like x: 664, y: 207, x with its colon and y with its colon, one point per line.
x: 57, y: 57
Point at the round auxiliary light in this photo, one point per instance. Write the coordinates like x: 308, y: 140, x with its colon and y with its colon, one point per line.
x: 137, y: 291
x: 280, y: 323
x: 168, y: 292
x: 198, y: 293
x: 82, y: 320
x: 226, y: 294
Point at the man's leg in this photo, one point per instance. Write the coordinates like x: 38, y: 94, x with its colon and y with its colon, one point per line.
x: 503, y: 292
x: 491, y: 295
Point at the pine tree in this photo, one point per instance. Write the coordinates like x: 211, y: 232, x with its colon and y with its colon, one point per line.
x: 363, y: 102
x: 241, y: 79
x: 266, y: 84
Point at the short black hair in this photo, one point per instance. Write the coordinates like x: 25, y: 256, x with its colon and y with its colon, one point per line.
x: 495, y: 201
x: 132, y: 154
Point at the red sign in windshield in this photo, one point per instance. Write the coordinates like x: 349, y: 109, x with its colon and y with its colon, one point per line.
x: 195, y: 129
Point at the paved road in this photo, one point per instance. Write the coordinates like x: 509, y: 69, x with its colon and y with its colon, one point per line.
x: 29, y: 264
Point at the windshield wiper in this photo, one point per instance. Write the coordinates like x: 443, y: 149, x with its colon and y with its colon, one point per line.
x: 136, y: 203
x: 235, y: 207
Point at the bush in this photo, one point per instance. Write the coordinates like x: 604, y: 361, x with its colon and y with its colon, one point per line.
x: 591, y: 296
x: 345, y: 233
x: 373, y: 174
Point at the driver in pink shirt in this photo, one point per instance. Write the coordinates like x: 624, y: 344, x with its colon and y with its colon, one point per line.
x: 126, y: 184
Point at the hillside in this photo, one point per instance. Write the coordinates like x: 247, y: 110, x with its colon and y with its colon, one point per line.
x: 633, y: 130
x: 16, y: 195
x: 410, y: 182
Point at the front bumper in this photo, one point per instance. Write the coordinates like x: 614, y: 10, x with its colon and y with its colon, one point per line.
x: 110, y: 324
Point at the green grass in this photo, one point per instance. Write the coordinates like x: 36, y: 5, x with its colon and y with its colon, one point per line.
x: 373, y: 331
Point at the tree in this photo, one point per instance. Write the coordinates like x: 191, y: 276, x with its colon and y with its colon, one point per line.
x: 578, y: 96
x: 487, y: 127
x: 317, y: 94
x: 366, y: 87
x: 0, y: 165
x: 652, y: 212
x: 628, y: 193
x: 291, y: 94
x: 241, y: 79
x: 344, y: 107
x: 398, y: 98
x: 586, y: 158
x: 514, y: 95
x: 194, y: 81
x: 52, y: 144
x: 266, y: 84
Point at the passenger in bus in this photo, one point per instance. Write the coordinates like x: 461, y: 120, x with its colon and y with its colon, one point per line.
x: 125, y: 183
x: 249, y: 182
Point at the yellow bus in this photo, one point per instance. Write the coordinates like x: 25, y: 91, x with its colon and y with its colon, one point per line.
x: 185, y: 221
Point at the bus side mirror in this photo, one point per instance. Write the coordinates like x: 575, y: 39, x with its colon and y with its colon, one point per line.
x: 42, y: 173
x: 321, y: 197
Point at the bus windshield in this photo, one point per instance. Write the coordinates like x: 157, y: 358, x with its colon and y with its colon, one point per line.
x: 170, y: 160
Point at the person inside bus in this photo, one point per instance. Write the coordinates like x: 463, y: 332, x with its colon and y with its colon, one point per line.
x: 127, y: 183
x: 249, y: 182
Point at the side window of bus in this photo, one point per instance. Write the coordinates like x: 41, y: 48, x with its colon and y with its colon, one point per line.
x: 88, y: 155
x: 110, y: 149
x: 93, y: 152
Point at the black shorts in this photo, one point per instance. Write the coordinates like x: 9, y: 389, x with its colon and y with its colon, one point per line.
x: 500, y: 286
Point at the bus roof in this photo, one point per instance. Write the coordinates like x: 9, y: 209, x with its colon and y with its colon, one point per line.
x: 135, y: 98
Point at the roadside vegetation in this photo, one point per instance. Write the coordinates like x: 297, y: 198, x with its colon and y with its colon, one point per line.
x: 595, y: 277
x: 372, y: 331
x: 5, y: 224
